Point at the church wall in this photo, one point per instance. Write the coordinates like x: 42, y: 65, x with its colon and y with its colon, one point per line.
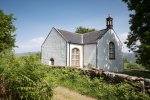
x: 68, y: 55
x: 54, y: 47
x: 104, y: 62
x: 90, y: 55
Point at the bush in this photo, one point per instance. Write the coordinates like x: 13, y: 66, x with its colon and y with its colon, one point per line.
x: 95, y: 87
x: 24, y: 78
x: 133, y: 65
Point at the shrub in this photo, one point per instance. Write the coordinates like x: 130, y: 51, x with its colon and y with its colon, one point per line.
x: 95, y: 87
x: 24, y: 78
x: 133, y: 65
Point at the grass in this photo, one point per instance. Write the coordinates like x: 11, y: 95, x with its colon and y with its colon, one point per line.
x: 137, y: 72
x: 25, y: 78
x: 134, y: 69
x: 63, y: 93
x: 96, y: 88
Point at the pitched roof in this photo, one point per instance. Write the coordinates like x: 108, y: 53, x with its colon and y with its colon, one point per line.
x: 71, y: 37
x: 90, y: 37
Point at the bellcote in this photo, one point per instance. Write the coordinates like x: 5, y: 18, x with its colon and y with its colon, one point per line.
x: 109, y: 22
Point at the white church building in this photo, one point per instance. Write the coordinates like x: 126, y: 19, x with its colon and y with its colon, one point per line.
x: 100, y: 49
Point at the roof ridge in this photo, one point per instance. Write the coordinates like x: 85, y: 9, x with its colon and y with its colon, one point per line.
x: 65, y: 30
x: 82, y: 38
x: 95, y: 31
x: 79, y: 33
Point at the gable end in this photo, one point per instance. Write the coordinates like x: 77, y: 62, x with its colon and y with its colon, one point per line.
x: 57, y: 32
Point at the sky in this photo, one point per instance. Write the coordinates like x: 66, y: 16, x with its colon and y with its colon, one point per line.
x: 35, y: 18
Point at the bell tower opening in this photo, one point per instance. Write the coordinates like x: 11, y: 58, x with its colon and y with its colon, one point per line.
x: 109, y: 22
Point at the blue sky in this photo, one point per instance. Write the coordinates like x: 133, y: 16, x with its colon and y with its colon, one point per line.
x: 35, y: 18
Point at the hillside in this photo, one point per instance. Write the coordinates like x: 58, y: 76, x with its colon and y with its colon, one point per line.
x: 129, y: 56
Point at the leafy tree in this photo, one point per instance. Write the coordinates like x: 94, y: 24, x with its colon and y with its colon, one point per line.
x: 140, y: 30
x: 82, y: 30
x: 7, y: 38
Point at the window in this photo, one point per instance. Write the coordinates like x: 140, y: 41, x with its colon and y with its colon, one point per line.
x: 51, y: 61
x: 111, y: 50
x: 75, y: 59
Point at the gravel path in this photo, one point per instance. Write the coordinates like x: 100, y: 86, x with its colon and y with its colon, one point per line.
x: 62, y: 93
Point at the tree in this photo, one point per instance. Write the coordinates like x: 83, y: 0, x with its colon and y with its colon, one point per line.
x: 7, y: 38
x: 140, y: 30
x: 82, y: 30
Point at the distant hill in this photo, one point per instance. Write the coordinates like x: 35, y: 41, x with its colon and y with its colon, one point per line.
x: 130, y: 56
x: 27, y: 53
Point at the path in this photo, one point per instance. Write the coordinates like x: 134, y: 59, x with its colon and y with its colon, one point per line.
x: 62, y: 93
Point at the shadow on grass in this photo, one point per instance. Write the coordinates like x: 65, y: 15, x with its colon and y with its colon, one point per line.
x: 138, y: 73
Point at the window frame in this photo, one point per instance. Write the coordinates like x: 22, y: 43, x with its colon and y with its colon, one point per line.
x: 112, y: 50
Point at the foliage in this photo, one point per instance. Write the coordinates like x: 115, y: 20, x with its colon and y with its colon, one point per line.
x: 82, y: 30
x: 138, y: 73
x: 133, y: 65
x: 140, y: 30
x: 89, y: 66
x: 97, y: 87
x: 126, y: 60
x: 134, y: 69
x: 23, y: 78
x: 7, y: 38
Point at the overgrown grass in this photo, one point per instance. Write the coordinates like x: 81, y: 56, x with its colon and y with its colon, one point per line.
x: 96, y: 87
x: 134, y: 69
x: 139, y: 73
x: 133, y: 65
x: 24, y: 78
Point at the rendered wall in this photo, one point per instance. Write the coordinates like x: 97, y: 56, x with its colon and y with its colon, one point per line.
x: 104, y: 62
x: 90, y: 55
x: 54, y: 47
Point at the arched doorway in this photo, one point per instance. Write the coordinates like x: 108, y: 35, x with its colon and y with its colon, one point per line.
x: 75, y: 59
x: 51, y: 61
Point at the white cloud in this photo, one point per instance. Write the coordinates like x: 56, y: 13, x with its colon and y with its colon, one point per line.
x: 38, y: 40
x: 30, y: 45
x: 35, y: 44
x: 123, y: 38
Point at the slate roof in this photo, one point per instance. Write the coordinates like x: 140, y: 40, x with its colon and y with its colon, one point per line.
x: 86, y: 38
x: 92, y: 37
x: 71, y: 37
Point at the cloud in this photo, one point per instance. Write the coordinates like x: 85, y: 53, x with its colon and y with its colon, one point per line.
x: 35, y: 44
x: 30, y: 45
x: 123, y: 38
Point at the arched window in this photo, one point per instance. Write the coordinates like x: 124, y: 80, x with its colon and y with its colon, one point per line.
x: 111, y: 50
x: 75, y: 59
x: 51, y: 61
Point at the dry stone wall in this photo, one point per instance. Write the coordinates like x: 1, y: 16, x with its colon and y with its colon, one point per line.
x: 142, y: 84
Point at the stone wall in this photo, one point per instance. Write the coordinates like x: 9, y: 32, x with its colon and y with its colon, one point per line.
x: 142, y: 84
